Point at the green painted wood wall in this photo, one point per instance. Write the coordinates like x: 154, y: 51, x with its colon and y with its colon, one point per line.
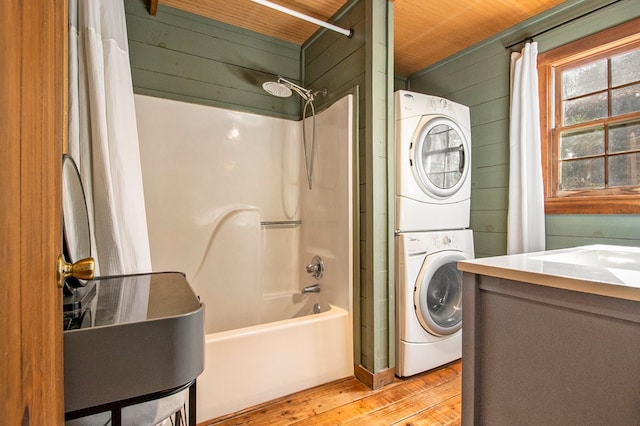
x: 334, y: 62
x: 479, y: 77
x: 181, y: 56
x: 338, y: 64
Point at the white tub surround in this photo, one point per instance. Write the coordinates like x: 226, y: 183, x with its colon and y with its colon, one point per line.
x: 604, y: 270
x: 228, y: 204
x: 211, y: 177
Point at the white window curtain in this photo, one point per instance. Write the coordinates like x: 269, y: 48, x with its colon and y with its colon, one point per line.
x: 526, y: 220
x: 103, y: 136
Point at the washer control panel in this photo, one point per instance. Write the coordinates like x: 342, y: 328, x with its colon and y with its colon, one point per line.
x: 429, y: 242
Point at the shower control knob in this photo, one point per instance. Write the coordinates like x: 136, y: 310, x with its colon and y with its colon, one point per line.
x: 316, y: 267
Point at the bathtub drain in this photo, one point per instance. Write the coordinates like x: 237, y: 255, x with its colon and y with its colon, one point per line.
x: 316, y: 308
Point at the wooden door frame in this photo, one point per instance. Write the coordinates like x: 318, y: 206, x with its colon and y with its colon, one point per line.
x: 33, y: 52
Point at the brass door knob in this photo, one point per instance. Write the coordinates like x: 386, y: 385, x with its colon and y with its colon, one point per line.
x: 82, y: 269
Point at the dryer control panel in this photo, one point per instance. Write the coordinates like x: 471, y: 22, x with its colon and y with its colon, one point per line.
x: 409, y: 104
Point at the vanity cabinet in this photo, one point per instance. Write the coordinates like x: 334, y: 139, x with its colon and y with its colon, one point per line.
x: 549, y: 343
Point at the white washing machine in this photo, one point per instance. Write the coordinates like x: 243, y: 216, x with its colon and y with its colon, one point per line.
x: 433, y: 163
x: 429, y: 298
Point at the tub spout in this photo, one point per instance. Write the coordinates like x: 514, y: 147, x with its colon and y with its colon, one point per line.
x: 311, y: 289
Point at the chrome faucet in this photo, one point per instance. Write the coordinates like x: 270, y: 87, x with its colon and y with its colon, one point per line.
x: 315, y: 288
x: 316, y: 267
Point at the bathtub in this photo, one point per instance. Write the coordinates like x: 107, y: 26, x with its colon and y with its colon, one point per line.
x: 248, y: 366
x: 244, y: 244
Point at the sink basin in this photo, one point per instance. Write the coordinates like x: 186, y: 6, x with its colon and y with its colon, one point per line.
x: 599, y: 256
x: 143, y: 334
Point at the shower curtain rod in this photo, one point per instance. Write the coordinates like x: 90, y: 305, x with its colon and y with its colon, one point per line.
x: 561, y: 24
x: 348, y: 33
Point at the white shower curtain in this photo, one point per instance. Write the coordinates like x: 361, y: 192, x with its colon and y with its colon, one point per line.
x: 103, y: 137
x: 526, y: 220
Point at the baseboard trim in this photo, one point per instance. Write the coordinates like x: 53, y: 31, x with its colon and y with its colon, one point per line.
x: 374, y: 380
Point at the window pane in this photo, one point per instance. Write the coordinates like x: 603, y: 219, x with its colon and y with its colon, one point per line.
x: 585, y: 109
x: 625, y: 100
x: 588, y: 78
x: 624, y: 137
x: 625, y: 68
x: 582, y: 174
x: 624, y: 170
x: 582, y: 143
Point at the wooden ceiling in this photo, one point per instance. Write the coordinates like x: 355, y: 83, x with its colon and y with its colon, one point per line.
x: 426, y: 31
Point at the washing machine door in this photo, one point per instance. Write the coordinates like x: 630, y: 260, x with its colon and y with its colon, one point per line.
x: 438, y: 293
x: 439, y: 157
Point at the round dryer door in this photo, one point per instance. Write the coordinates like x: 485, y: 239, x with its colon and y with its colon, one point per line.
x: 438, y: 293
x: 439, y: 157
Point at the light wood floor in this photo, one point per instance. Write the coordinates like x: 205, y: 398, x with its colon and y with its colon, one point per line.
x: 431, y: 398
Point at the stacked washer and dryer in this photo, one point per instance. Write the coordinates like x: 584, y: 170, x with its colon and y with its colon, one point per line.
x: 432, y: 201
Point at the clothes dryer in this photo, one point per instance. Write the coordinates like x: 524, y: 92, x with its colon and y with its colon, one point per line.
x: 433, y: 163
x: 429, y: 298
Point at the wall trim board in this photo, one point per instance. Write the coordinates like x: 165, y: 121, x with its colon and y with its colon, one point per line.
x: 374, y: 380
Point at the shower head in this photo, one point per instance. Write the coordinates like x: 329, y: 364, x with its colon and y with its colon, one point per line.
x: 276, y: 88
x: 283, y: 89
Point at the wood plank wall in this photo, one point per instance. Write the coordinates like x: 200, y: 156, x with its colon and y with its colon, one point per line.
x: 479, y: 77
x: 334, y: 62
x: 181, y: 56
x: 338, y: 63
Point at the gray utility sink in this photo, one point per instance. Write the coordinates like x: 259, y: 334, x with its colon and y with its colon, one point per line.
x: 139, y: 334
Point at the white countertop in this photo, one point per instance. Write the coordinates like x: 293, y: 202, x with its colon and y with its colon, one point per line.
x: 605, y: 270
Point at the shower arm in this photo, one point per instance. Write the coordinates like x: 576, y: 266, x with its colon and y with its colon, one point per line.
x: 305, y: 94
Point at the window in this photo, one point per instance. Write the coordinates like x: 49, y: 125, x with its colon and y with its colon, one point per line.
x: 590, y: 123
